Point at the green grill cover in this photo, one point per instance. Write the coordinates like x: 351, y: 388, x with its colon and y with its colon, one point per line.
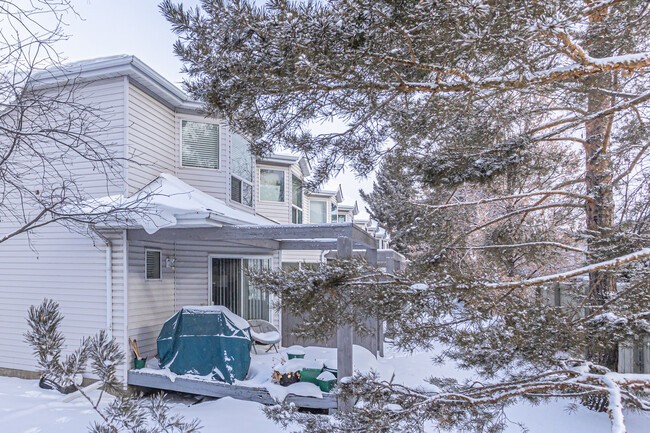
x: 206, y: 341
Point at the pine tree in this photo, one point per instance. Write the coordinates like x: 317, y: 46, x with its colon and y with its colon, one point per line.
x: 468, y: 102
x: 125, y: 412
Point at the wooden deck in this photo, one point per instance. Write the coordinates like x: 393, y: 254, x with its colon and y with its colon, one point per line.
x: 219, y: 389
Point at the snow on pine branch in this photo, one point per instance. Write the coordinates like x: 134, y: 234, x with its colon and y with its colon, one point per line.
x: 526, y: 244
x: 573, y: 379
x: 503, y: 198
x: 608, y: 264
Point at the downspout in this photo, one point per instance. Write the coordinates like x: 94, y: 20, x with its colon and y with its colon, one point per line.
x: 109, y: 280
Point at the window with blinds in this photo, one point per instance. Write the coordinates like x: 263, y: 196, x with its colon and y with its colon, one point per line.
x: 317, y: 212
x: 153, y: 264
x: 199, y: 145
x: 271, y: 185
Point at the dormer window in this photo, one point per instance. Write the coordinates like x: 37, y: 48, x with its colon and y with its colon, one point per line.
x: 271, y: 185
x: 241, y: 168
x: 199, y: 145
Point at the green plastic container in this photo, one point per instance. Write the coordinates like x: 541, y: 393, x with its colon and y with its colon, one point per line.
x: 139, y: 363
x: 332, y: 370
x: 310, y: 375
x: 326, y: 385
x: 292, y: 356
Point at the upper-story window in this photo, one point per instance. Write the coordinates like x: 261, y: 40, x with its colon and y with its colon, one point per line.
x: 318, y: 212
x: 199, y: 144
x: 241, y: 169
x: 335, y: 212
x: 341, y: 218
x: 296, y: 200
x: 271, y: 185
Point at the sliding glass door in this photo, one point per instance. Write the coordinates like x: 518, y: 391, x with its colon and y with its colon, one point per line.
x: 232, y: 287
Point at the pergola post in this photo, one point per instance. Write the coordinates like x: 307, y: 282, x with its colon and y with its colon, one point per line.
x: 371, y: 256
x: 344, y: 334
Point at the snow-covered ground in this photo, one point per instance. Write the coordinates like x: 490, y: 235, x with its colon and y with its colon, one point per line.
x: 25, y: 408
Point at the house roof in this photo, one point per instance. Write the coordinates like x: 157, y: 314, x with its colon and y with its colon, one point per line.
x: 338, y: 194
x: 353, y: 208
x: 118, y: 66
x: 169, y: 202
x: 287, y: 160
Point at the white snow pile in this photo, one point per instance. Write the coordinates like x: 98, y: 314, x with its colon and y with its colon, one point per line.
x: 326, y: 376
x: 296, y: 350
x: 297, y: 364
x: 25, y: 408
x: 265, y: 336
x: 238, y: 321
x: 165, y: 202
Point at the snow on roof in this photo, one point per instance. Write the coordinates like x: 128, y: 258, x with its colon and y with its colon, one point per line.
x: 338, y: 194
x: 283, y: 159
x: 169, y: 202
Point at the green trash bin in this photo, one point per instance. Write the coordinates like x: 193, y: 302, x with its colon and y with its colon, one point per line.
x: 326, y: 381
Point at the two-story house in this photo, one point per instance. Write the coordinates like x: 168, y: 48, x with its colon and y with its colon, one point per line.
x: 211, y: 212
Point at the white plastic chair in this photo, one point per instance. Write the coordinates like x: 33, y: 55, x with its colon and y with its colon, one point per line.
x: 264, y: 332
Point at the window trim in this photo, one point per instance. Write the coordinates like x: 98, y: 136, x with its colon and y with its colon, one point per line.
x: 327, y: 212
x: 302, y: 214
x: 146, y: 251
x: 252, y: 205
x: 180, y: 156
x: 284, y: 185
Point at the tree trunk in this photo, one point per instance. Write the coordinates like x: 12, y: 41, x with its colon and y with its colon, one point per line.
x: 598, y: 178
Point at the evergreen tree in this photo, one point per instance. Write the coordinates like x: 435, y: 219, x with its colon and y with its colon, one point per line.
x: 125, y: 412
x: 479, y: 108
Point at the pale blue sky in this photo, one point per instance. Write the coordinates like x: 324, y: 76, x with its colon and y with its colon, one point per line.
x: 109, y: 27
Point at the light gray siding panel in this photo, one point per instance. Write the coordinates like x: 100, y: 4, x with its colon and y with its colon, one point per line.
x: 152, y: 138
x: 276, y: 211
x: 56, y: 263
x: 151, y: 303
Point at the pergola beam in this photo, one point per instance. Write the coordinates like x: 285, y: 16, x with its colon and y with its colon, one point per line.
x: 280, y: 232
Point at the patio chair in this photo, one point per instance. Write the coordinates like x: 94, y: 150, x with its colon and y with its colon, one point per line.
x: 264, y: 332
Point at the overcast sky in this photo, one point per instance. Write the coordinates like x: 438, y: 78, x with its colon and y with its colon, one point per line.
x: 109, y: 27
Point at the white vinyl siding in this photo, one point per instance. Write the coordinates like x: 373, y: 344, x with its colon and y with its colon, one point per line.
x: 151, y: 137
x: 62, y: 265
x: 151, y: 303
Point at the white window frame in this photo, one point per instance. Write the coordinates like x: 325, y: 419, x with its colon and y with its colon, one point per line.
x: 293, y: 206
x: 251, y: 182
x: 284, y: 184
x: 180, y: 155
x: 327, y: 210
x: 252, y: 191
x: 146, y: 250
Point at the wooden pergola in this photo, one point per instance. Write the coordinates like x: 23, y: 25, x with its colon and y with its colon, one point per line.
x: 345, y: 238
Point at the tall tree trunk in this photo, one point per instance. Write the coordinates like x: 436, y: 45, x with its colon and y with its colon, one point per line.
x: 598, y: 178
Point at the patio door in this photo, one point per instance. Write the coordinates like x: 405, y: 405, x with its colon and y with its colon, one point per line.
x: 232, y: 288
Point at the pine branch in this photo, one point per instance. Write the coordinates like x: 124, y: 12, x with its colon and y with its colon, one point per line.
x: 608, y: 264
